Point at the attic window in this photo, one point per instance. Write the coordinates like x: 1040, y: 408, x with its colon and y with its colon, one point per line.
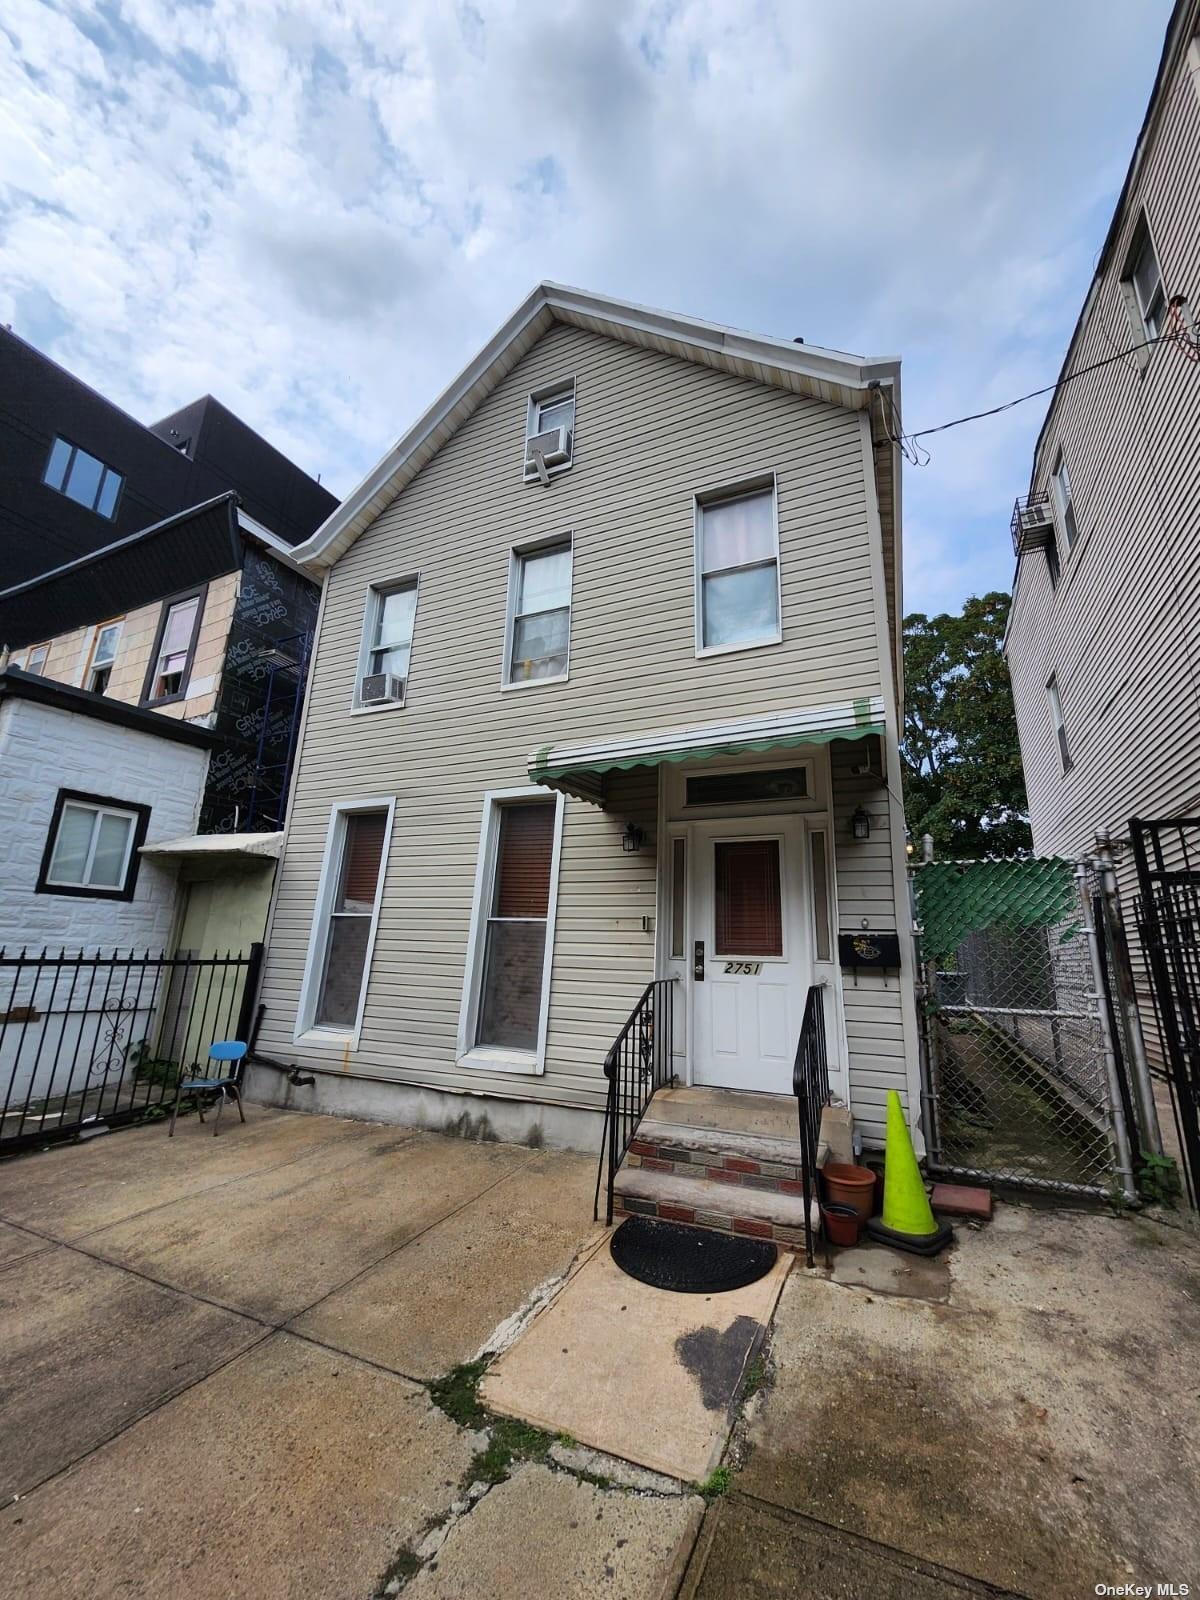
x: 549, y: 431
x: 83, y: 478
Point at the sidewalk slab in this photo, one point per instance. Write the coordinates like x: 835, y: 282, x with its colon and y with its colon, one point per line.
x: 544, y: 1535
x: 16, y: 1244
x: 435, y: 1303
x: 273, y: 1244
x: 291, y: 1472
x: 638, y: 1372
x: 85, y: 1349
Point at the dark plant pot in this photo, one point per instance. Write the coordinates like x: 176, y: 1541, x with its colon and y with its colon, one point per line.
x: 848, y: 1185
x: 842, y: 1224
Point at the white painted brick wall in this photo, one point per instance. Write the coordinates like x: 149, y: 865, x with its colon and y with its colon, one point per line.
x: 42, y: 750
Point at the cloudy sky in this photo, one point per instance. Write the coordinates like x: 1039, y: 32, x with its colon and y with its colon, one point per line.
x: 318, y: 211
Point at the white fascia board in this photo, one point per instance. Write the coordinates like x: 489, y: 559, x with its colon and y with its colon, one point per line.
x: 557, y: 302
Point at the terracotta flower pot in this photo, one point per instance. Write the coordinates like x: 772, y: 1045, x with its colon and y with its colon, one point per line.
x: 847, y: 1185
x: 842, y: 1224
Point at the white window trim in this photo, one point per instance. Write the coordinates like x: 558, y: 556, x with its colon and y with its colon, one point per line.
x: 370, y: 613
x: 757, y: 484
x: 1058, y: 724
x: 517, y: 553
x: 1059, y: 502
x: 307, y: 1031
x: 561, y: 390
x: 99, y: 812
x: 102, y: 627
x: 1137, y: 314
x: 531, y: 1063
x: 32, y: 651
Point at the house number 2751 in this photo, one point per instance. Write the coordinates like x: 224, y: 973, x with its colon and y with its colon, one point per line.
x: 744, y: 969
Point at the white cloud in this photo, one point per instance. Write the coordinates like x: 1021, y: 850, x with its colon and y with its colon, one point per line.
x: 318, y: 212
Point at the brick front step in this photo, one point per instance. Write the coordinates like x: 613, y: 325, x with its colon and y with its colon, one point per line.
x: 775, y: 1177
x: 704, y: 1202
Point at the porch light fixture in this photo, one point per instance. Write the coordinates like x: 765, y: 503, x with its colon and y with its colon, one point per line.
x: 631, y: 839
x: 860, y: 825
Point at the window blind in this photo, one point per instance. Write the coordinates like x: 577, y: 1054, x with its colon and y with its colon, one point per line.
x: 363, y: 853
x: 748, y: 910
x: 523, y: 860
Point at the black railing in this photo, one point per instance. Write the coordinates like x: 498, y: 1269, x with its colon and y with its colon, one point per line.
x: 810, y: 1084
x: 639, y: 1062
x: 97, y: 1040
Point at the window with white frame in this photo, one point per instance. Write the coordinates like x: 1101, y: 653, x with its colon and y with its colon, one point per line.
x: 506, y: 995
x: 737, y: 570
x: 538, y: 638
x: 387, y: 642
x: 346, y: 917
x: 1058, y: 723
x: 91, y: 846
x: 35, y: 659
x: 1064, y: 503
x: 550, y: 410
x: 1145, y: 284
x: 82, y: 478
x: 104, y: 654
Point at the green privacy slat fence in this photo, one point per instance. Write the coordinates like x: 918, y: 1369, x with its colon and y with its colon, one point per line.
x: 958, y: 898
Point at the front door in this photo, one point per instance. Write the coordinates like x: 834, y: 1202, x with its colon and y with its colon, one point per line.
x: 751, y: 957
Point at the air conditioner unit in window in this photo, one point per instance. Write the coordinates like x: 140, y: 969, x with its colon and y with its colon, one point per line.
x: 380, y: 689
x: 1032, y: 524
x: 549, y: 449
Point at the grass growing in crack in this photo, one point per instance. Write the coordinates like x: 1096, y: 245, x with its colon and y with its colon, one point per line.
x: 509, y: 1439
x: 756, y: 1376
x: 457, y: 1394
x: 718, y: 1482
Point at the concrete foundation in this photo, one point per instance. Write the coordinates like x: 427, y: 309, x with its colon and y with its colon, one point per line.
x: 469, y: 1116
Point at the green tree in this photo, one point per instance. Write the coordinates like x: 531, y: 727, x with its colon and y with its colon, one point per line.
x: 963, y: 781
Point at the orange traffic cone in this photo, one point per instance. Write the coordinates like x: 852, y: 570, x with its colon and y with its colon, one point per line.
x: 908, y: 1222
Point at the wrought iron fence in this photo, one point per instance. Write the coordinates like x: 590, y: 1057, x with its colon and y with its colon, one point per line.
x: 810, y: 1085
x: 89, y: 1041
x: 638, y: 1063
x: 1022, y: 1082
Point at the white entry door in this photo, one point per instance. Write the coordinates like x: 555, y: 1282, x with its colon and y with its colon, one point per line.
x: 751, y: 953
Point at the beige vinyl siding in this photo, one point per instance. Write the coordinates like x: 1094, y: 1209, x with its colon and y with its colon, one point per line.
x: 866, y: 890
x: 650, y: 432
x: 1122, y: 632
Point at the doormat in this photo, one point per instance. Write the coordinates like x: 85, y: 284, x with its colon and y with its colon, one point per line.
x: 667, y: 1255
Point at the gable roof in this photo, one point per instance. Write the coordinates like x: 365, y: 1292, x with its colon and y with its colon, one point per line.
x: 829, y: 375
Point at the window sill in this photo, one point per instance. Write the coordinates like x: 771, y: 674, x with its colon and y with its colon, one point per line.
x: 531, y: 476
x: 327, y: 1036
x: 735, y: 649
x: 536, y: 683
x: 486, y: 1058
x: 374, y: 711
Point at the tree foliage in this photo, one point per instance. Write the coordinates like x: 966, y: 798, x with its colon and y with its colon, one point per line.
x: 963, y: 781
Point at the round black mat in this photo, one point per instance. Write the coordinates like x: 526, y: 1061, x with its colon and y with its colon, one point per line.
x: 667, y: 1255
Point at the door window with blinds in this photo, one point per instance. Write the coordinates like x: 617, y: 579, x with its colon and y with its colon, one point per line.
x: 348, y: 910
x: 747, y: 902
x: 505, y: 1000
x: 737, y: 571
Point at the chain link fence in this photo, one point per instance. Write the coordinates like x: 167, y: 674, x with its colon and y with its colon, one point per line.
x: 1020, y: 1076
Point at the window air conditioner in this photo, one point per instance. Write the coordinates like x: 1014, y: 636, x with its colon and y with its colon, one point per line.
x: 380, y: 689
x: 1037, y: 524
x: 549, y: 449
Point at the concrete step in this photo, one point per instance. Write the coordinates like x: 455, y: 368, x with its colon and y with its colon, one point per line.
x: 707, y: 1202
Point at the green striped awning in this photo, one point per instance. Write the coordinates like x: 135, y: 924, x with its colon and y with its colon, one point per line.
x: 579, y: 769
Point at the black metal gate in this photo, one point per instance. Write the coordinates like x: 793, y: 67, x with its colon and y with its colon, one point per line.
x: 1168, y: 920
x: 91, y: 1041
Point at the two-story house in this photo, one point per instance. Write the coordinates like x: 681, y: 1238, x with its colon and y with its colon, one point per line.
x: 605, y: 691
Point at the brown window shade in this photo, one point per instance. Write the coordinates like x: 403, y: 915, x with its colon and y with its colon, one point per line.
x: 748, y: 913
x: 365, y: 832
x: 523, y: 860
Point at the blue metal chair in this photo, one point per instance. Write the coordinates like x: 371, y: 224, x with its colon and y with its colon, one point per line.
x: 225, y: 1050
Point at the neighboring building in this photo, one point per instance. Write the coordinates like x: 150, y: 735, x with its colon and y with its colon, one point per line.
x: 204, y: 618
x: 606, y: 688
x: 80, y: 473
x: 1103, y: 641
x: 74, y: 826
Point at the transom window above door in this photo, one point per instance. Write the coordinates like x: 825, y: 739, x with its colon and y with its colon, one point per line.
x: 539, y: 624
x: 737, y: 571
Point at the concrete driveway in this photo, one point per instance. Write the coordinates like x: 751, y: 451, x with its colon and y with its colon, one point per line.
x: 214, y: 1356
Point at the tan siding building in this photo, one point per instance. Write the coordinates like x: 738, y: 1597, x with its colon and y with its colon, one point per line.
x: 671, y: 424
x: 1105, y: 625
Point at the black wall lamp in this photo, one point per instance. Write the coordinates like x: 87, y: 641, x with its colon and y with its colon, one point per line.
x: 860, y: 825
x: 631, y: 839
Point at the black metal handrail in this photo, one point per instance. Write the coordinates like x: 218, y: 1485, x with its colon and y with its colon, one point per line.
x: 638, y: 1063
x: 810, y: 1085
